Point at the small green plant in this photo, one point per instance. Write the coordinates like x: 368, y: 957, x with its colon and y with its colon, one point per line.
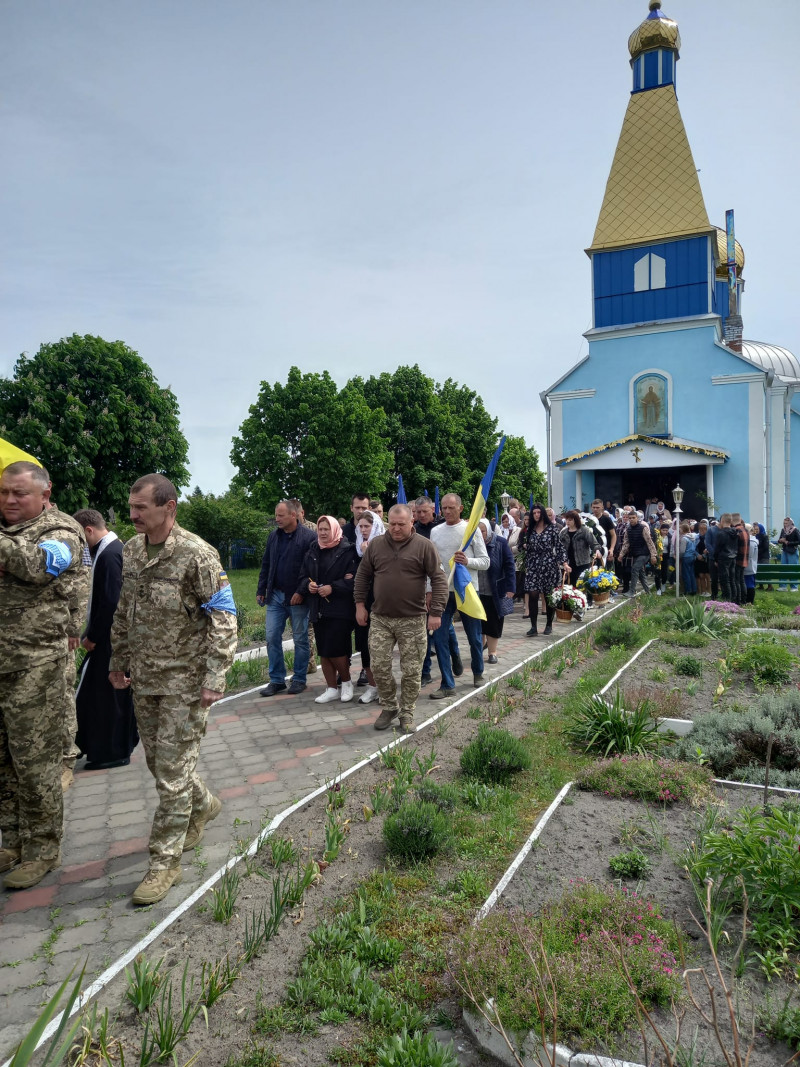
x: 224, y: 896
x: 64, y: 1037
x: 143, y: 980
x: 658, y: 674
x: 767, y: 662
x: 254, y: 1056
x: 691, y: 616
x: 282, y: 850
x: 380, y: 798
x: 782, y: 1023
x: 478, y: 795
x: 684, y: 639
x: 647, y: 778
x: 516, y: 681
x: 491, y: 692
x: 444, y: 796
x: 691, y: 689
x: 416, y: 831
x: 633, y: 864
x: 335, y: 834
x: 607, y: 728
x: 494, y: 755
x: 216, y: 979
x: 690, y: 666
x: 615, y: 631
x: 337, y: 794
x: 416, y: 1050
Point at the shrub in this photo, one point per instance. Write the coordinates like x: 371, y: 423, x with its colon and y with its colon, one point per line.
x: 608, y: 728
x: 691, y: 616
x: 689, y: 666
x: 416, y: 1050
x: 633, y: 864
x: 782, y: 622
x: 617, y: 632
x: 416, y: 830
x: 738, y: 740
x: 647, y: 778
x: 685, y: 638
x: 509, y: 954
x: 444, y: 796
x: 767, y: 662
x: 494, y: 756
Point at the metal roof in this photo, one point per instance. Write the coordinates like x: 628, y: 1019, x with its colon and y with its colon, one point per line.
x: 772, y: 357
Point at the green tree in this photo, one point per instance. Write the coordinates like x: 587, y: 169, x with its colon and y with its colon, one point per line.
x: 518, y: 473
x: 310, y: 440
x: 93, y: 413
x: 222, y: 520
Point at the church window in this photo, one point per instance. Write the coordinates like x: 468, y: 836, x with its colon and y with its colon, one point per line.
x: 649, y: 272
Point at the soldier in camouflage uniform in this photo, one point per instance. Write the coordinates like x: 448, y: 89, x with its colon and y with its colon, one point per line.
x: 40, y: 564
x: 395, y: 568
x: 172, y: 640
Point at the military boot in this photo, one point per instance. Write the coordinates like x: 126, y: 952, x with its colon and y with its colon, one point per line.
x: 406, y: 722
x: 197, y: 824
x: 9, y: 857
x: 29, y: 874
x: 155, y: 885
x: 384, y: 720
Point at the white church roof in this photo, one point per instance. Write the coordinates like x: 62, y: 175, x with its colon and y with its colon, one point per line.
x: 772, y: 357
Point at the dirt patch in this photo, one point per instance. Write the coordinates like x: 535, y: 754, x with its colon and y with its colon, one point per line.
x: 577, y: 843
x: 655, y: 676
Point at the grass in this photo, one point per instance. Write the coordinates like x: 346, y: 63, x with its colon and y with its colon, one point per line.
x: 244, y: 584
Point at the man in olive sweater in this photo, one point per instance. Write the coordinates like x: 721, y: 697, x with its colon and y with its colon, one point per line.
x: 395, y: 567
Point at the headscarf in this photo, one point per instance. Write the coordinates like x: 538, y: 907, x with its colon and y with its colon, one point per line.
x: 376, y: 530
x: 336, y: 531
x: 505, y: 531
x: 487, y: 529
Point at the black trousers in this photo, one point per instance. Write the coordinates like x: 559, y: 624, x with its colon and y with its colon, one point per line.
x: 727, y: 579
x: 713, y: 570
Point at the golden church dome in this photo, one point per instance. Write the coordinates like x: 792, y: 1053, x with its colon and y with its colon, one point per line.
x: 722, y: 255
x: 657, y: 31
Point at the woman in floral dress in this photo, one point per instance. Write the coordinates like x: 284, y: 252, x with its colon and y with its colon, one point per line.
x: 544, y: 563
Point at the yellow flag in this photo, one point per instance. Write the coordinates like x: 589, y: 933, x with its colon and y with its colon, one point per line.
x: 11, y: 454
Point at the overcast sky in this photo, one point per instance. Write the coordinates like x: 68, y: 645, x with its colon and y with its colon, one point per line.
x: 233, y: 188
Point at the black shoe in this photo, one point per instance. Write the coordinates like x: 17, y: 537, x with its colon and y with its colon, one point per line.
x: 272, y: 689
x: 362, y: 679
x: 533, y: 632
x: 547, y: 630
x: 425, y: 679
x: 477, y: 680
x: 441, y: 694
x: 296, y: 687
x: 458, y: 666
x: 106, y: 765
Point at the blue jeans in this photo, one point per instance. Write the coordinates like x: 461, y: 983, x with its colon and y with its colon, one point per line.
x: 454, y: 649
x: 278, y: 611
x: 688, y: 577
x: 441, y: 642
x: 790, y: 558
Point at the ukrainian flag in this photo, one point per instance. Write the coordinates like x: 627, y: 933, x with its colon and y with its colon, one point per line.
x: 467, y: 599
x: 11, y: 454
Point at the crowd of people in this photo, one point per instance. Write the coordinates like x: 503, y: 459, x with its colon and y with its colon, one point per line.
x: 156, y: 619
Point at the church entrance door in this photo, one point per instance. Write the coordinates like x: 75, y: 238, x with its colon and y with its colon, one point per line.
x: 632, y: 486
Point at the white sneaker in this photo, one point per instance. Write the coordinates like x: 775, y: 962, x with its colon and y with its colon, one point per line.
x: 347, y: 692
x: 327, y: 696
x: 658, y: 592
x: 369, y: 694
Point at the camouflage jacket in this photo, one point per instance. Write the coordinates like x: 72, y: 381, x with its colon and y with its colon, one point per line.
x: 161, y: 633
x: 39, y: 611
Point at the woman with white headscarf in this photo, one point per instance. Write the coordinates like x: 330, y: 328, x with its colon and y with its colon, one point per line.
x: 368, y: 527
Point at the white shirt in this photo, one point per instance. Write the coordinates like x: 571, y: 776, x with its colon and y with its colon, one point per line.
x: 447, y: 541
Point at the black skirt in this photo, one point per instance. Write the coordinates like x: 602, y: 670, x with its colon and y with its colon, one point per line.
x: 492, y: 626
x: 334, y: 637
x: 362, y: 644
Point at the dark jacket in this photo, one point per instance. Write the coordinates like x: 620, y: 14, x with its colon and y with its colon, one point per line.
x: 711, y: 541
x: 335, y: 567
x: 763, y: 544
x: 106, y: 586
x: 727, y: 546
x: 584, y: 546
x: 629, y: 538
x: 292, y: 557
x: 790, y: 541
x: 501, y: 574
x: 424, y: 528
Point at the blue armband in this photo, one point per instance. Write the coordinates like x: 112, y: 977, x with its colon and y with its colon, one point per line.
x: 59, y: 556
x: 222, y: 600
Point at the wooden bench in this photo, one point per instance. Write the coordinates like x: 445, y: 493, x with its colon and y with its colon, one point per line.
x: 778, y: 574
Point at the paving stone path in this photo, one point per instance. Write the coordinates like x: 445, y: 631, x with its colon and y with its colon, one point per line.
x: 259, y: 756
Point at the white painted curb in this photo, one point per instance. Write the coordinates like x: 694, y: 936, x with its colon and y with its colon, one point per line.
x: 122, y: 962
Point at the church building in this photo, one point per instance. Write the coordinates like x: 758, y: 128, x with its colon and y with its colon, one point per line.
x: 669, y: 391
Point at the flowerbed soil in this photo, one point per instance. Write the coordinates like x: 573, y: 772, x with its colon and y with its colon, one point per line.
x: 196, y: 937
x: 578, y: 842
x: 670, y: 696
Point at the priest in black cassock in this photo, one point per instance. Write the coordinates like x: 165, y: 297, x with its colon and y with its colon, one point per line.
x: 107, y: 731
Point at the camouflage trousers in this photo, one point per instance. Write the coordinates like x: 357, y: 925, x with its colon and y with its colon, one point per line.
x: 31, y: 727
x: 411, y: 637
x: 70, y: 750
x: 171, y: 729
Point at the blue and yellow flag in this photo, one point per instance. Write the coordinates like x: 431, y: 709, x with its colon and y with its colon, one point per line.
x: 11, y: 454
x: 467, y: 599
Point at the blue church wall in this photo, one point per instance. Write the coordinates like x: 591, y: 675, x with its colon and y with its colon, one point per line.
x: 714, y: 415
x: 616, y: 302
x: 794, y: 489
